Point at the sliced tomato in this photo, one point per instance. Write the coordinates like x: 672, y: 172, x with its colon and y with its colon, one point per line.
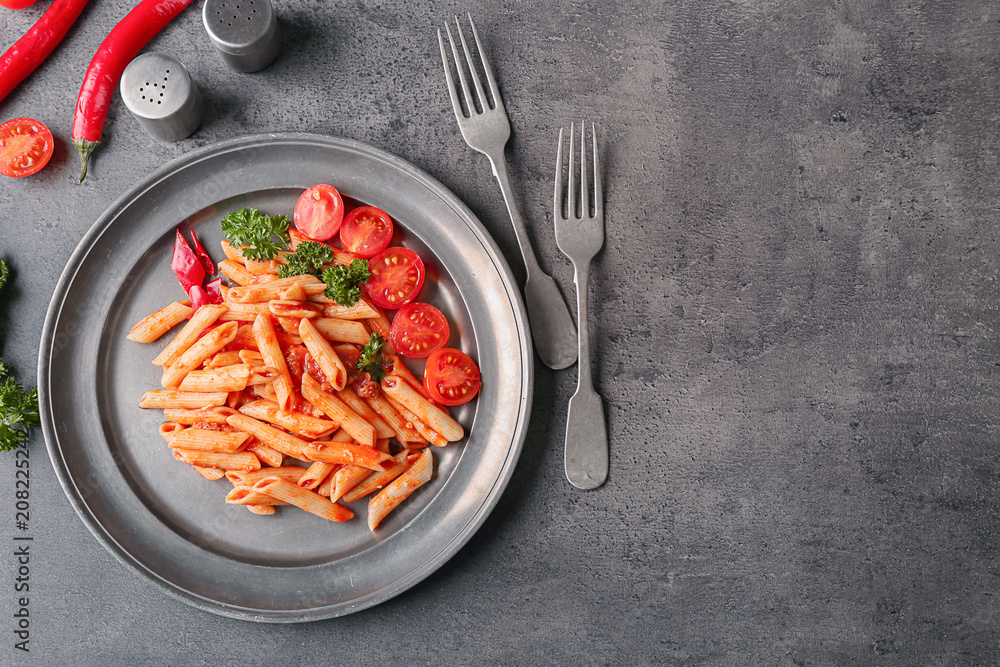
x: 366, y: 231
x: 319, y: 212
x: 418, y: 329
x: 25, y: 147
x: 451, y: 377
x: 397, y: 274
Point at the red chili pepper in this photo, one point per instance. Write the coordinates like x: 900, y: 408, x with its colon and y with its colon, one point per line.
x: 34, y: 47
x: 185, y: 264
x: 115, y: 53
x: 202, y: 254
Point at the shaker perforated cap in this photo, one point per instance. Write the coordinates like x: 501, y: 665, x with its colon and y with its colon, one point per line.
x: 245, y: 32
x: 159, y: 92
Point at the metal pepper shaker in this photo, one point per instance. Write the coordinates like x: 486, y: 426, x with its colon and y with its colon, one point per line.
x: 159, y: 92
x: 245, y: 32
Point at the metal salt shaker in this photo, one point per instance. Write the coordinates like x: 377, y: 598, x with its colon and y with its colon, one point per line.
x: 245, y: 32
x: 159, y: 92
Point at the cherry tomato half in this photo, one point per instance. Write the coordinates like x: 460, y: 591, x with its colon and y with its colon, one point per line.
x: 451, y: 377
x: 17, y: 4
x: 366, y: 231
x: 319, y: 212
x: 397, y: 274
x: 418, y: 329
x: 25, y: 147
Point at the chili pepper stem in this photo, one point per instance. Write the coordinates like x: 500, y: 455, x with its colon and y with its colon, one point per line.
x: 85, y: 148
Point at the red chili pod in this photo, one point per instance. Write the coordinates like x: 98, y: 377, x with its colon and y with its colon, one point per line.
x: 185, y: 264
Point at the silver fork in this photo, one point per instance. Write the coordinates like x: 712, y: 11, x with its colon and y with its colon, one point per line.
x: 487, y: 130
x: 580, y: 237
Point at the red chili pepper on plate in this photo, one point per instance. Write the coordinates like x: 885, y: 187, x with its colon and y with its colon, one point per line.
x: 34, y: 47
x: 114, y: 54
x: 202, y: 255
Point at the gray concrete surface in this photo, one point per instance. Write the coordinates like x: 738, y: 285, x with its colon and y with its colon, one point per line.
x: 796, y: 314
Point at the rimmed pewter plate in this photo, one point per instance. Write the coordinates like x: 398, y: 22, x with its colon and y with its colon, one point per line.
x: 163, y: 520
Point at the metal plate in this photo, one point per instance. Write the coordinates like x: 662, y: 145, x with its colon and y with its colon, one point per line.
x: 171, y: 526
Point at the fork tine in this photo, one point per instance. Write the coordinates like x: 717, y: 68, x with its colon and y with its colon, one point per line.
x: 494, y: 90
x: 557, y: 200
x: 461, y: 74
x: 472, y: 67
x: 584, y: 193
x: 455, y: 102
x: 598, y: 188
x: 571, y: 194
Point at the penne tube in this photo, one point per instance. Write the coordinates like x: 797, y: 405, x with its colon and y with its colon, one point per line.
x: 321, y: 351
x: 240, y: 461
x: 188, y: 400
x: 347, y: 453
x: 361, y: 310
x: 232, y: 252
x: 316, y: 474
x: 297, y: 309
x: 403, y: 371
x: 266, y: 291
x: 294, y: 293
x: 151, y: 327
x: 211, y: 474
x: 347, y: 478
x: 358, y: 404
x: 274, y: 438
x: 223, y: 358
x: 425, y: 411
x: 267, y: 455
x: 400, y: 489
x: 290, y: 325
x: 201, y: 320
x: 261, y: 267
x: 170, y: 429
x: 252, y: 357
x: 380, y: 325
x: 267, y: 343
x: 224, y: 378
x: 335, y: 409
x: 377, y: 480
x: 243, y: 312
x: 223, y: 442
x: 403, y: 429
x: 215, y: 415
x: 342, y: 331
x: 244, y: 495
x: 292, y: 420
x: 194, y: 356
x: 310, y: 501
x: 249, y: 478
x: 236, y: 272
x: 263, y: 510
x: 413, y: 420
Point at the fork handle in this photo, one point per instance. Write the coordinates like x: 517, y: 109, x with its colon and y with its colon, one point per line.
x: 551, y: 324
x: 586, y: 429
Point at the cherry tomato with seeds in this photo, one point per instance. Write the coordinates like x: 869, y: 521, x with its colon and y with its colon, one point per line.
x: 397, y: 274
x: 366, y: 231
x: 418, y: 330
x: 319, y: 212
x: 25, y: 147
x: 451, y: 377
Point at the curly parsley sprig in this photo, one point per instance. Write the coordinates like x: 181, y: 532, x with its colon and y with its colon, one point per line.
x: 263, y: 236
x: 371, y: 360
x: 342, y: 282
x: 18, y: 411
x: 309, y: 258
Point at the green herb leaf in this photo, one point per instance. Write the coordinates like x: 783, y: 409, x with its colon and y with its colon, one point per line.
x: 264, y: 235
x: 309, y: 258
x: 371, y: 360
x: 4, y: 273
x: 18, y: 411
x: 342, y: 282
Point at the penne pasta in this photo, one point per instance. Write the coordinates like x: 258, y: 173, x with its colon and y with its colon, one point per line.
x: 310, y: 501
x: 223, y: 358
x: 341, y: 331
x: 294, y: 293
x: 377, y: 480
x: 362, y: 310
x: 240, y: 461
x: 361, y: 430
x: 201, y: 320
x: 236, y: 272
x: 224, y: 442
x: 426, y: 431
x: 347, y: 453
x: 223, y: 378
x: 358, y: 404
x: 244, y: 495
x: 249, y: 478
x: 427, y: 412
x: 151, y: 327
x: 404, y: 431
x: 297, y: 309
x: 171, y: 398
x: 292, y: 420
x: 316, y: 474
x: 266, y: 291
x: 270, y: 351
x: 202, y: 349
x: 274, y: 438
x: 214, y: 415
x: 243, y: 312
x: 321, y: 351
x: 263, y: 510
x: 400, y: 489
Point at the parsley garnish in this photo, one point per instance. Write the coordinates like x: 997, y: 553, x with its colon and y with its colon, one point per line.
x: 309, y: 258
x: 342, y: 282
x: 18, y: 411
x: 263, y: 235
x: 371, y: 360
x: 4, y: 272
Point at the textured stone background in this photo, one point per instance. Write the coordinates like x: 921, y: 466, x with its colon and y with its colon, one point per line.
x: 795, y: 318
